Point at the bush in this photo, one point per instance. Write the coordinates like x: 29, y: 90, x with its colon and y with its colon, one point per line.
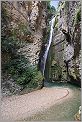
x: 77, y: 17
x: 31, y: 77
x: 23, y: 73
x: 36, y: 81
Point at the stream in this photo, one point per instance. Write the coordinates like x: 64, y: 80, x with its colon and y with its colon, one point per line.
x: 64, y: 111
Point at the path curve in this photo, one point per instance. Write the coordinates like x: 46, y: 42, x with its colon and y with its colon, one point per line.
x: 23, y: 106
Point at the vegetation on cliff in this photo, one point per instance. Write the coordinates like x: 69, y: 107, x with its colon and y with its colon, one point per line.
x: 14, y: 64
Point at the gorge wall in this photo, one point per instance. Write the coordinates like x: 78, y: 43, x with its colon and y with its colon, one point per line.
x: 33, y: 16
x: 68, y: 17
x: 22, y: 27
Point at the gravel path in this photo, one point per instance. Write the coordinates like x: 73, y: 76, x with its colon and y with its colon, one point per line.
x: 23, y: 106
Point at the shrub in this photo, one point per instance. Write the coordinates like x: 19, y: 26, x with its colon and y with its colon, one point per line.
x: 36, y: 81
x: 23, y: 73
x: 77, y: 17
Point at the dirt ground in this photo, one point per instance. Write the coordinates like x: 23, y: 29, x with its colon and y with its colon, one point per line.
x: 23, y: 106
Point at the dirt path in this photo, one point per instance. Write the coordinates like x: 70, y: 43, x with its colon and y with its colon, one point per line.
x: 23, y: 106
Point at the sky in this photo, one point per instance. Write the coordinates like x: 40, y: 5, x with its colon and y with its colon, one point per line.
x: 54, y: 3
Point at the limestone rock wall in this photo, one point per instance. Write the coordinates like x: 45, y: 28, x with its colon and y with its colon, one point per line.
x: 31, y: 14
x: 22, y: 24
x: 68, y: 20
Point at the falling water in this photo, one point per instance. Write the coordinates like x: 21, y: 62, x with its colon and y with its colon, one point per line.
x: 48, y: 45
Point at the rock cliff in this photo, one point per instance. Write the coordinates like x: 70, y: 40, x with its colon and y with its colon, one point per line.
x: 28, y: 16
x: 68, y: 18
x: 23, y: 24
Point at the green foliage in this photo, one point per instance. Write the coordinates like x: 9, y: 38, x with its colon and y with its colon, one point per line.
x: 72, y: 73
x: 56, y: 71
x: 37, y: 79
x: 56, y: 23
x: 26, y: 76
x: 51, y: 11
x: 48, y: 4
x: 22, y: 72
x: 21, y: 29
x: 9, y: 45
x: 77, y: 17
x: 58, y: 68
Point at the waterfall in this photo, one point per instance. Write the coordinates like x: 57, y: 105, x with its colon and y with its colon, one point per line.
x: 48, y: 45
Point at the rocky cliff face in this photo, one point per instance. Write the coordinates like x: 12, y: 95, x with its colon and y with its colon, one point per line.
x: 23, y: 24
x: 37, y: 22
x: 32, y: 16
x: 69, y: 19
